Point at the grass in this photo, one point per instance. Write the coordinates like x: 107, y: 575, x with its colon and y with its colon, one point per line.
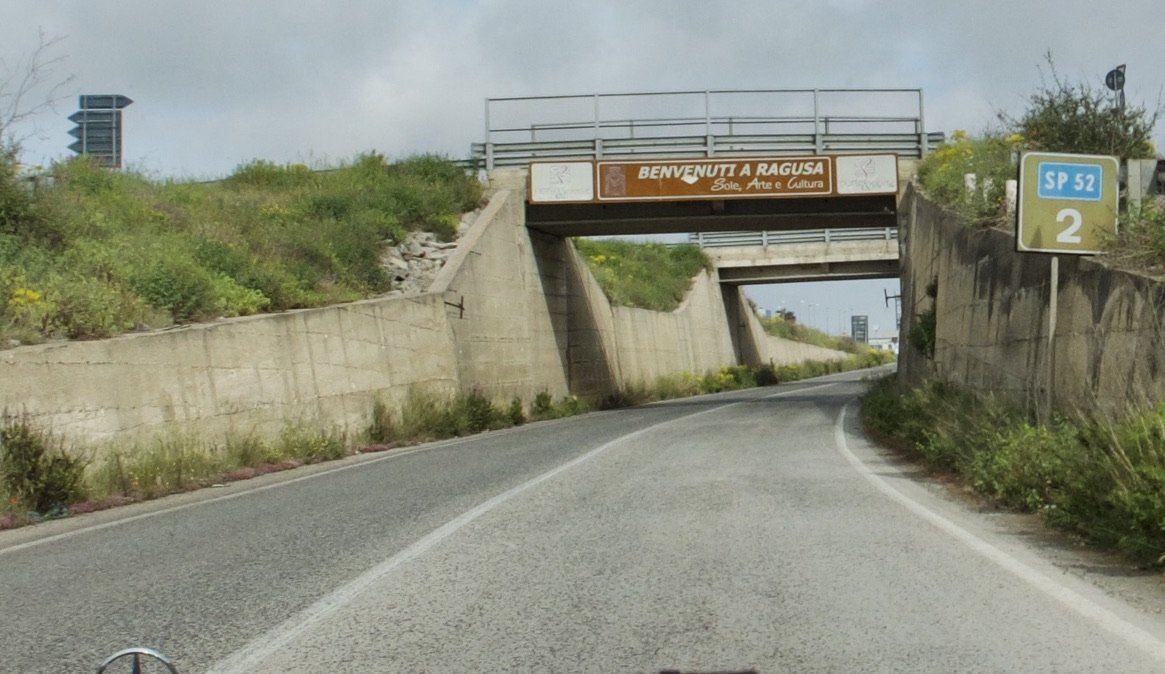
x: 92, y: 253
x: 1101, y: 479
x: 644, y: 275
x: 788, y: 328
x: 1140, y: 239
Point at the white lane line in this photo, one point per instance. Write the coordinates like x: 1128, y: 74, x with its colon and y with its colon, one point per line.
x: 1104, y: 618
x: 252, y: 654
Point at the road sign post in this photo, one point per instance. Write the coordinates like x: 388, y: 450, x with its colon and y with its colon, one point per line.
x: 1067, y: 205
x: 98, y: 130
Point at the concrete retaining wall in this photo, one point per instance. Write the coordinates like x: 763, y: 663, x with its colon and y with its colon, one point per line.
x: 513, y: 313
x: 992, y: 317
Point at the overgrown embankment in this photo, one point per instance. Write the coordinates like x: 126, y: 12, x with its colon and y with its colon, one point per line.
x: 643, y: 275
x: 1103, y: 479
x: 979, y: 355
x: 89, y: 253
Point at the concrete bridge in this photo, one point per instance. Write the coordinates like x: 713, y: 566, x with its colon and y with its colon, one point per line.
x: 780, y: 185
x: 744, y: 258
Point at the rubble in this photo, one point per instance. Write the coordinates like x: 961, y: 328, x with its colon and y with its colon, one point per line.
x: 413, y: 263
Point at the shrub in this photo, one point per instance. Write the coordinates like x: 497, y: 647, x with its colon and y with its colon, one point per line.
x: 177, y: 285
x: 310, y: 444
x: 381, y: 428
x: 543, y: 405
x: 1141, y: 237
x: 268, y: 175
x: 992, y: 159
x: 18, y: 214
x: 1101, y: 479
x: 515, y: 412
x: 38, y: 473
x: 249, y: 451
x: 228, y: 298
x: 923, y: 334
x: 1078, y: 118
x: 1061, y: 117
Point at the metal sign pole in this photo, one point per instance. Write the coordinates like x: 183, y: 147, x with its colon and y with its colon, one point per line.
x: 1053, y: 302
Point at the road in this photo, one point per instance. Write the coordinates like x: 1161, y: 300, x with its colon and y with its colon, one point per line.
x: 755, y: 529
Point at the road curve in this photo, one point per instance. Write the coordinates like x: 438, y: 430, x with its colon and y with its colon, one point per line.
x: 756, y: 529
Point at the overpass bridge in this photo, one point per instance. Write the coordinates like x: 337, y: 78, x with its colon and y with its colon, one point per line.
x: 744, y: 258
x: 773, y: 162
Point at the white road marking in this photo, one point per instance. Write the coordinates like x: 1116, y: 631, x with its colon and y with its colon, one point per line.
x: 1102, y: 617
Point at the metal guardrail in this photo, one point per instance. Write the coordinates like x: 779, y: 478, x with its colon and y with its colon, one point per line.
x: 704, y: 123
x: 767, y: 238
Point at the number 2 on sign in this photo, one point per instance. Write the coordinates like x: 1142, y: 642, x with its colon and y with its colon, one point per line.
x: 1069, y: 234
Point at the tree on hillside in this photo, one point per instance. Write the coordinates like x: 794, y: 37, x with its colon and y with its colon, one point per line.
x: 28, y: 86
x: 1082, y: 119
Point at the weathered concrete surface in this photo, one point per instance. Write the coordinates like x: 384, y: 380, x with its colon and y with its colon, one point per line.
x: 237, y: 376
x: 756, y: 347
x: 511, y: 314
x: 992, y: 317
x: 790, y: 262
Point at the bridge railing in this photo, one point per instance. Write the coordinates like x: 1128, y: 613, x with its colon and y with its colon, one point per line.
x: 704, y: 123
x: 768, y: 238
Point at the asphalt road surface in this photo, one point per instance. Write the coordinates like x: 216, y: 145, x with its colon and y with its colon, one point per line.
x: 750, y: 530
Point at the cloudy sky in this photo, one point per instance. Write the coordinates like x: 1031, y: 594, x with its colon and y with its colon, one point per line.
x: 216, y: 84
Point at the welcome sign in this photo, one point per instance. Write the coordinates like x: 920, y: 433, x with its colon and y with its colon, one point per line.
x: 694, y: 179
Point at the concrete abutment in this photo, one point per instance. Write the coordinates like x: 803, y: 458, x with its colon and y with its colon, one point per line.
x: 513, y: 313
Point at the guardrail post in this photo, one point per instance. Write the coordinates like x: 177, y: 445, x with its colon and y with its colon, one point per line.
x: 817, y: 140
x: 709, y: 139
x: 923, y: 141
x: 764, y: 238
x: 489, y: 146
x: 596, y: 120
x: 707, y: 113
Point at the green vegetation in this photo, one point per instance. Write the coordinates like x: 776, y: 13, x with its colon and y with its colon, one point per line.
x: 1097, y: 478
x: 91, y: 253
x: 645, y: 275
x: 1140, y: 240
x: 992, y: 158
x: 923, y: 336
x: 1082, y: 119
x: 1062, y: 117
x: 36, y: 471
x: 785, y: 326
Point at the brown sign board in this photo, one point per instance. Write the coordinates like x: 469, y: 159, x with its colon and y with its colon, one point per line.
x: 707, y: 178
